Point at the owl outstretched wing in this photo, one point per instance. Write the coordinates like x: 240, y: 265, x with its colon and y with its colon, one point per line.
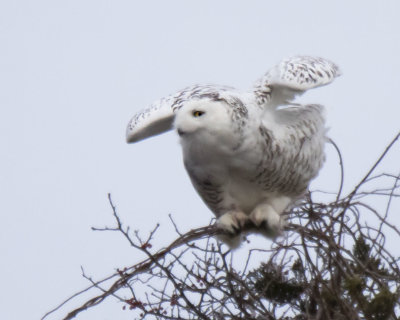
x: 292, y: 77
x: 156, y: 119
x: 279, y: 86
x: 159, y: 117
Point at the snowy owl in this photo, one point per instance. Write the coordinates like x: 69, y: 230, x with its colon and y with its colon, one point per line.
x: 250, y: 154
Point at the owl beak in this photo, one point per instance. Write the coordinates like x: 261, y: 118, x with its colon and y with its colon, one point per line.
x: 181, y: 132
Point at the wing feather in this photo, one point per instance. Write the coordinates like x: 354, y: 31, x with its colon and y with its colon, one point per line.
x: 154, y: 120
x: 292, y: 77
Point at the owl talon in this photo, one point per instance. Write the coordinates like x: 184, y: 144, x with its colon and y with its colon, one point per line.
x: 267, y: 220
x: 232, y: 222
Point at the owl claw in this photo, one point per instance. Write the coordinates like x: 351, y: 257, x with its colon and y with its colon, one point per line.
x: 267, y: 220
x: 232, y: 222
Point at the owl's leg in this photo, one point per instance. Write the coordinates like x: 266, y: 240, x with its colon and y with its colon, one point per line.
x: 231, y: 223
x: 267, y: 216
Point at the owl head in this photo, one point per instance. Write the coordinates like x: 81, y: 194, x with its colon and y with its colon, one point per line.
x: 204, y: 120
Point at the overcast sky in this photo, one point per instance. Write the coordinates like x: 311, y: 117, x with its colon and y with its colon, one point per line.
x: 72, y: 74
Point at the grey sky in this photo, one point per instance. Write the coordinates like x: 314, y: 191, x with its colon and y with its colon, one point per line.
x: 72, y: 73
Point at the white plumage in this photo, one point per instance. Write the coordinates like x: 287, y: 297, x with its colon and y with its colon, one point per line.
x: 249, y: 154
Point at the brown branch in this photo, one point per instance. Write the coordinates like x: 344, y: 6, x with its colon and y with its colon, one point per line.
x: 329, y: 252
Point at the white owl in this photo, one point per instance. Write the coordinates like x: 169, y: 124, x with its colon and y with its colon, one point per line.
x: 249, y: 154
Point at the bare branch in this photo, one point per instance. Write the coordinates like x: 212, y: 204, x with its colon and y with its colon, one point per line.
x: 332, y: 263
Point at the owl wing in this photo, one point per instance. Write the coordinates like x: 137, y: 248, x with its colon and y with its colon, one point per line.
x: 156, y: 119
x: 159, y: 117
x: 292, y: 77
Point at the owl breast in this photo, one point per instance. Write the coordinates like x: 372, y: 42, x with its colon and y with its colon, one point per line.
x: 262, y: 169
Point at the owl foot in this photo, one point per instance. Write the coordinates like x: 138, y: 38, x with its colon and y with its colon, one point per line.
x: 267, y: 220
x: 231, y: 223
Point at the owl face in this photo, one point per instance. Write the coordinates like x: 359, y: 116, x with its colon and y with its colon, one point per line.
x: 205, y: 125
x: 203, y: 116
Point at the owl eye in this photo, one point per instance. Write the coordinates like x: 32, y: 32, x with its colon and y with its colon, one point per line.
x: 197, y: 113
